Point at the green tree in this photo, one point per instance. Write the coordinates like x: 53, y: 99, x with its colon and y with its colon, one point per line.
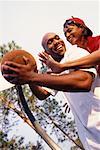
x: 48, y: 112
x: 50, y: 115
x: 11, y: 95
x: 16, y: 143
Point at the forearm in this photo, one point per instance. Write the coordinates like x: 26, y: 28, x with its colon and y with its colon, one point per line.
x: 39, y: 92
x: 69, y: 82
x: 84, y: 62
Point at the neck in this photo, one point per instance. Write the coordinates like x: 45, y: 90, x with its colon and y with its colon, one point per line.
x: 82, y: 43
x: 58, y: 58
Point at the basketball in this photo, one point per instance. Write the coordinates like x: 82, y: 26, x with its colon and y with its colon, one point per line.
x: 17, y: 57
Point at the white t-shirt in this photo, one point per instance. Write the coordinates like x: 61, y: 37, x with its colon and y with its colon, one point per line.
x: 85, y: 107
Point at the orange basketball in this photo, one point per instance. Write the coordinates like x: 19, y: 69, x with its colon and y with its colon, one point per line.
x: 17, y: 57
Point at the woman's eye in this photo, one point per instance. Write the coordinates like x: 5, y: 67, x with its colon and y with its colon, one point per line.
x: 69, y: 30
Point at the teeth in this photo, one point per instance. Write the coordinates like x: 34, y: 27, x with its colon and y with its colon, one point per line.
x: 60, y: 46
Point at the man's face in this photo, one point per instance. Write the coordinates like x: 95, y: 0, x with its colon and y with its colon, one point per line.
x: 73, y: 34
x: 55, y: 45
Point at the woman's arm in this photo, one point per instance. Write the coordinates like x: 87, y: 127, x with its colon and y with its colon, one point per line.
x: 84, y: 62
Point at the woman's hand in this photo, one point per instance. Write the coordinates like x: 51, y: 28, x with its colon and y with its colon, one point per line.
x: 50, y: 62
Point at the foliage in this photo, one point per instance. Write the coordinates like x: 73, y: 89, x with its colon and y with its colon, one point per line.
x: 6, y: 48
x: 10, y: 94
x: 16, y: 143
x: 50, y: 112
x: 47, y: 112
x: 6, y: 124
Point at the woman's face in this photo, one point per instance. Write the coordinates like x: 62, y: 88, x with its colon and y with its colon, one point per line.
x: 73, y: 34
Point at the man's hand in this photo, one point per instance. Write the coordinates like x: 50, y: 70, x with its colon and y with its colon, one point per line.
x: 21, y: 73
x: 50, y: 62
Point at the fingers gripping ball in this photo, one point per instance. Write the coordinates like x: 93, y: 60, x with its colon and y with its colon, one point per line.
x: 18, y: 56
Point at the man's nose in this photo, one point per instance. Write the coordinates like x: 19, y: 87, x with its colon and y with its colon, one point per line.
x: 55, y: 41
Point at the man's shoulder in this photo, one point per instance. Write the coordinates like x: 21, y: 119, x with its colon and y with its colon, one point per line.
x: 77, y: 52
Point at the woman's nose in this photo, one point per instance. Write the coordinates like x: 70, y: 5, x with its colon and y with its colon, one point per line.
x: 67, y: 34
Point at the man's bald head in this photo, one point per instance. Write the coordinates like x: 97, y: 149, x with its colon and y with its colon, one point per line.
x: 45, y: 39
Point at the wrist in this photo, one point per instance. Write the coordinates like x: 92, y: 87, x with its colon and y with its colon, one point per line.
x: 32, y: 78
x: 61, y: 67
x: 67, y: 65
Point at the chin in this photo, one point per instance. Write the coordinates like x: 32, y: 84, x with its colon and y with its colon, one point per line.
x: 73, y: 42
x: 61, y: 54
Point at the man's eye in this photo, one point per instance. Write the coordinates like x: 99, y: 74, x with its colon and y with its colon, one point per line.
x: 57, y: 37
x: 49, y: 42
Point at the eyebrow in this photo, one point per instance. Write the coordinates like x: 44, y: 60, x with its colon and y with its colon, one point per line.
x: 68, y: 29
x: 52, y: 38
x: 49, y: 39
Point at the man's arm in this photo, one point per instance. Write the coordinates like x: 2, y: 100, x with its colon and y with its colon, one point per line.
x: 75, y: 81
x: 39, y: 92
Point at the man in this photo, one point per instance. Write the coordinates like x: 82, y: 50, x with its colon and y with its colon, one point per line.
x: 75, y: 84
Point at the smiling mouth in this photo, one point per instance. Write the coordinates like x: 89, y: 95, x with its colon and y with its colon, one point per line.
x: 59, y: 47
